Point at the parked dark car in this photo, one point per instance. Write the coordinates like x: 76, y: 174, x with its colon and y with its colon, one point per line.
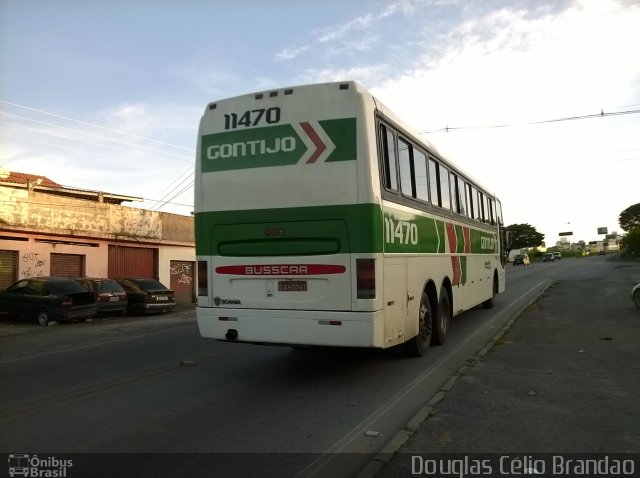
x: 548, y: 257
x: 46, y: 299
x: 147, y: 296
x: 557, y: 255
x: 110, y: 295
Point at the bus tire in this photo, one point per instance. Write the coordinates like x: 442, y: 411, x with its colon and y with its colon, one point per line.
x: 490, y: 302
x: 418, y: 345
x: 443, y: 318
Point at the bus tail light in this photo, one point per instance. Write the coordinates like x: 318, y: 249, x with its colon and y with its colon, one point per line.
x: 203, y: 278
x: 366, y: 278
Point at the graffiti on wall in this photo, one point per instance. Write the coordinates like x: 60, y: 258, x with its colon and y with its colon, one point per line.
x: 183, y: 270
x: 33, y: 265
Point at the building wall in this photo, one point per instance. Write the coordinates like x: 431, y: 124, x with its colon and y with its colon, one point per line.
x: 38, y: 224
x: 48, y: 213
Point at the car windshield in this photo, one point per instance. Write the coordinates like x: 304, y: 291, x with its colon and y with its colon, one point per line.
x: 65, y: 287
x: 108, y: 286
x: 150, y: 284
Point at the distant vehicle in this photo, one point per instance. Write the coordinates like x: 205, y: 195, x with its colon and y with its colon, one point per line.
x: 110, y: 295
x: 557, y: 255
x: 46, y: 299
x: 521, y: 259
x: 601, y: 253
x: 635, y: 294
x: 548, y: 257
x: 147, y: 296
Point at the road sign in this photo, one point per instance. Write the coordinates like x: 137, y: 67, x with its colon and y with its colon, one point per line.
x: 566, y: 234
x: 603, y: 230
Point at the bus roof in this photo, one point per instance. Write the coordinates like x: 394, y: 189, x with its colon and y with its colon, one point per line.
x: 378, y: 105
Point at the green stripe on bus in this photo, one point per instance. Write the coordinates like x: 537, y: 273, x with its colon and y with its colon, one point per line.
x: 363, y: 225
x: 290, y: 231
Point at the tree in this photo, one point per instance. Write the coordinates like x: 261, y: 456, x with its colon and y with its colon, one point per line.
x: 630, y: 243
x: 630, y: 218
x: 524, y: 235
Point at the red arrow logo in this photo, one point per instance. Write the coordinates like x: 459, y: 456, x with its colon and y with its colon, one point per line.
x: 320, y: 146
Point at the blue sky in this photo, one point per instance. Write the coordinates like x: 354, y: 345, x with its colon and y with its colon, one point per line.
x: 107, y: 95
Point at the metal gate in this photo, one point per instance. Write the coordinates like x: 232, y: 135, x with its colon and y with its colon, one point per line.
x: 182, y: 282
x: 133, y: 262
x: 67, y: 265
x: 8, y: 268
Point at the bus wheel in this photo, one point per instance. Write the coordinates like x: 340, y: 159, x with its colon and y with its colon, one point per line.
x: 489, y: 303
x: 443, y: 318
x: 418, y: 345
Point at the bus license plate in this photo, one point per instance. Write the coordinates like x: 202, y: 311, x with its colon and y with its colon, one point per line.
x: 292, y: 286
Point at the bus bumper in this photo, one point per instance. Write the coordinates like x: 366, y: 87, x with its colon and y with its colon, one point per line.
x: 293, y: 327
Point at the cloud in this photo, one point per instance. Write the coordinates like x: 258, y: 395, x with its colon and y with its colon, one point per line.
x: 512, y: 66
x: 355, y: 35
x: 291, y: 53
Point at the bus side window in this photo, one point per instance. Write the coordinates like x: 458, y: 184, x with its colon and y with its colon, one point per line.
x: 389, y: 158
x: 477, y: 213
x: 434, y: 190
x: 485, y: 208
x: 492, y: 211
x: 420, y: 168
x: 457, y: 199
x: 462, y: 196
x: 406, y: 168
x: 499, y: 212
x: 445, y: 193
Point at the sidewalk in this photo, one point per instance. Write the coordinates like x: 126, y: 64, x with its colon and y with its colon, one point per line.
x: 563, y: 378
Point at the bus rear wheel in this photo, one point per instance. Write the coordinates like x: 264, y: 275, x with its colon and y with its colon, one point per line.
x: 490, y: 302
x: 443, y: 318
x: 418, y: 345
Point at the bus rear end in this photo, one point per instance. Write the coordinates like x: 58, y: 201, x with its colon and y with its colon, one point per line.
x: 286, y: 229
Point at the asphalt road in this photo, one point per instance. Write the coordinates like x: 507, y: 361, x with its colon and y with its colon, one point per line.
x: 152, y: 385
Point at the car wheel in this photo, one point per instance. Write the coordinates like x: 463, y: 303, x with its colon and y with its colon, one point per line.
x: 419, y: 344
x: 43, y: 317
x: 443, y: 318
x: 636, y: 296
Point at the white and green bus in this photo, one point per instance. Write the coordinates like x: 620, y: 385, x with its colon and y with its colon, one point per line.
x: 322, y: 220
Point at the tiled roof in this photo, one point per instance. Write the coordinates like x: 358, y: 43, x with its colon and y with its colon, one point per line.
x: 24, y: 178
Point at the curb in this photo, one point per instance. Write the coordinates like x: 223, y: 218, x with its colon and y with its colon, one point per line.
x: 400, y: 438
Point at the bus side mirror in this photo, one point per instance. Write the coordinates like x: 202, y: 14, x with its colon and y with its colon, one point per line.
x: 507, y: 237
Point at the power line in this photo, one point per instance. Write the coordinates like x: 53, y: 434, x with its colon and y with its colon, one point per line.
x: 78, y: 131
x: 113, y: 148
x: 602, y: 114
x: 95, y: 125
